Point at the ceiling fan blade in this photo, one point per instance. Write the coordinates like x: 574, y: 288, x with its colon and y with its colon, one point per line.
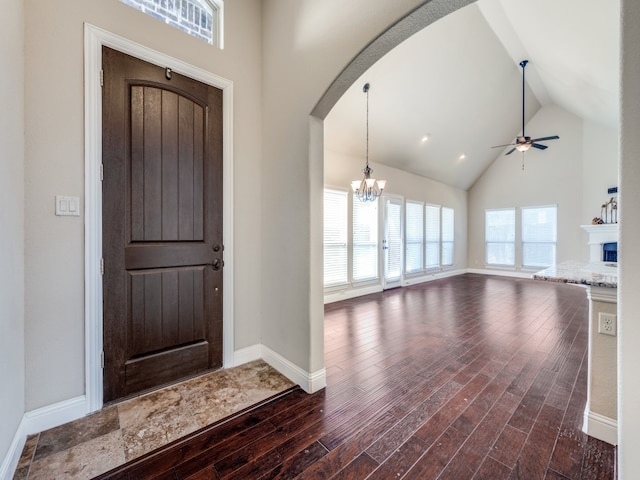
x: 553, y: 137
x: 502, y: 146
x: 538, y: 146
x: 511, y: 151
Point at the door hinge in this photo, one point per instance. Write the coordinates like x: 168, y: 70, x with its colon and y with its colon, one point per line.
x: 102, y: 359
x: 101, y: 172
x: 102, y: 266
x: 101, y: 77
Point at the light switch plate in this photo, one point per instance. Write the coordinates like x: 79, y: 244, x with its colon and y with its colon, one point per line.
x: 67, y: 206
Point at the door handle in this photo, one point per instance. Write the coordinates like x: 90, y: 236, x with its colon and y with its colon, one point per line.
x: 217, y: 264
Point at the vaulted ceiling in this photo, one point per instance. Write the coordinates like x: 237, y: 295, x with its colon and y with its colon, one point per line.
x: 439, y: 101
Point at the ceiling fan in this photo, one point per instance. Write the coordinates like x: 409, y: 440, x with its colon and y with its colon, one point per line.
x: 523, y: 143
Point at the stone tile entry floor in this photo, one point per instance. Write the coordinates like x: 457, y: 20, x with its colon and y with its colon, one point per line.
x: 119, y: 433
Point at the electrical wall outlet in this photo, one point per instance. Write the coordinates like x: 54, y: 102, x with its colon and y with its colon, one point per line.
x: 607, y: 323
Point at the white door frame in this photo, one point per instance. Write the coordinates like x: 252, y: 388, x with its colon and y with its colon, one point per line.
x: 383, y: 229
x: 94, y: 39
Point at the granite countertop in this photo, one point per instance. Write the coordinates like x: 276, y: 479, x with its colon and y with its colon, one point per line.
x: 593, y: 274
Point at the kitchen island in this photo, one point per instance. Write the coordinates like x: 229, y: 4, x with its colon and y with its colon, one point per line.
x: 601, y: 282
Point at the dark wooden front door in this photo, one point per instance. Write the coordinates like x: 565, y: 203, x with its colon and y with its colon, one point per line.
x: 162, y: 225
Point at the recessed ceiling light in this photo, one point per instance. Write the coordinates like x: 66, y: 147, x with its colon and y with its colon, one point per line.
x: 462, y: 156
x: 425, y: 138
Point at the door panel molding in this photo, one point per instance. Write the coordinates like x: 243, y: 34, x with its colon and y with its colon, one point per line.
x: 94, y: 39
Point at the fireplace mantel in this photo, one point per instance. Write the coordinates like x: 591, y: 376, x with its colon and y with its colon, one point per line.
x: 599, y: 234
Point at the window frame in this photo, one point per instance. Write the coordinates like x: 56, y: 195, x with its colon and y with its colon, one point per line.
x: 216, y: 8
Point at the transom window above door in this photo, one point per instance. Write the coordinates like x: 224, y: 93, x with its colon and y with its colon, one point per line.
x: 202, y: 19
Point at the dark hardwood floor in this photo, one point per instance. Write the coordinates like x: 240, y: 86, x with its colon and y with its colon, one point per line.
x: 470, y: 377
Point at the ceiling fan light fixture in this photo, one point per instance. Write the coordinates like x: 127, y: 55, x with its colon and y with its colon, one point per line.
x: 524, y: 143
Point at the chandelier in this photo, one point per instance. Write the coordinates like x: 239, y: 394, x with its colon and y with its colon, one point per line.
x: 367, y: 189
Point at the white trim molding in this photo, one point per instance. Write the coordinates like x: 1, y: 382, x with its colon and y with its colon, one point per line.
x: 601, y: 427
x: 602, y: 294
x: 11, y: 459
x: 94, y: 39
x: 309, y: 382
x: 36, y: 421
x: 247, y: 354
x: 44, y: 418
x: 501, y: 272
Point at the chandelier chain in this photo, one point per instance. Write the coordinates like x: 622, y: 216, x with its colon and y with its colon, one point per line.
x: 366, y: 89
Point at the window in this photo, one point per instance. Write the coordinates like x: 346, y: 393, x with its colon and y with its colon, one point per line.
x: 500, y: 236
x: 365, y: 240
x: 392, y: 241
x: 414, y: 237
x: 335, y: 237
x: 539, y: 236
x: 202, y: 19
x: 432, y: 237
x: 447, y: 237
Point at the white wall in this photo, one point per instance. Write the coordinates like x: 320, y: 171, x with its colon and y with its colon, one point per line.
x: 11, y: 222
x: 599, y: 172
x: 55, y: 166
x: 560, y: 175
x: 629, y: 280
x: 341, y: 169
x: 599, y: 168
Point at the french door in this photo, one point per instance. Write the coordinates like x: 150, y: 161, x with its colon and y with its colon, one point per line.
x: 392, y: 243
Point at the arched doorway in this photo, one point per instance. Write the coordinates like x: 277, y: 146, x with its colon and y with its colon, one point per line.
x: 416, y: 20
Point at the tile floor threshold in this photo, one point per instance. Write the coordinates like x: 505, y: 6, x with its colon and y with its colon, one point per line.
x: 129, y: 430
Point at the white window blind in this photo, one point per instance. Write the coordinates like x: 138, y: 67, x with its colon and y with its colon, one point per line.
x: 447, y: 236
x: 365, y: 240
x: 432, y: 236
x: 393, y: 244
x: 500, y: 235
x: 539, y: 236
x: 414, y: 236
x: 335, y: 237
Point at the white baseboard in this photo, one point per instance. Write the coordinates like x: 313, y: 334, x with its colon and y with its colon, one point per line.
x: 349, y: 292
x: 10, y: 462
x: 501, y: 273
x: 601, y: 427
x: 432, y: 276
x: 53, y: 415
x: 247, y: 354
x: 309, y: 382
x: 36, y: 421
